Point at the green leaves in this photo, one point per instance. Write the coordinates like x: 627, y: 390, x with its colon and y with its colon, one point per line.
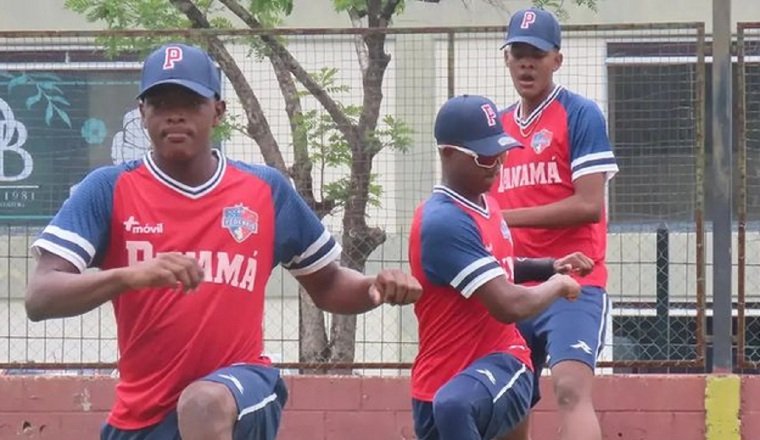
x: 270, y: 12
x: 328, y: 148
x: 558, y: 6
x: 345, y: 5
x: 230, y: 123
x: 161, y: 14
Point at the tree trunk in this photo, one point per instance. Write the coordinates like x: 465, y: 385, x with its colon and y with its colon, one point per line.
x: 359, y: 241
x: 312, y: 336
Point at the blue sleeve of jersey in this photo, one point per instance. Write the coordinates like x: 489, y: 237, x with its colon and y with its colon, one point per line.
x: 302, y: 244
x: 79, y: 232
x: 590, y: 150
x: 452, y: 250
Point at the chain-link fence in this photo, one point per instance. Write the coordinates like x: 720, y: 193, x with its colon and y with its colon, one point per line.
x: 67, y: 105
x: 747, y: 135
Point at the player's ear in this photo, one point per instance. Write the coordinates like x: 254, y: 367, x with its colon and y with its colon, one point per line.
x: 557, y: 60
x: 141, y: 106
x: 220, y: 107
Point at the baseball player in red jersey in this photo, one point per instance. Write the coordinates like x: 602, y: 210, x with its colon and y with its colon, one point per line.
x: 552, y: 193
x: 186, y: 240
x: 472, y: 378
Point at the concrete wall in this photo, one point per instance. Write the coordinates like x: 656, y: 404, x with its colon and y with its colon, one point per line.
x: 322, y: 408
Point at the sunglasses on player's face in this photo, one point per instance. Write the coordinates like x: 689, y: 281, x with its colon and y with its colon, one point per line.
x: 487, y: 162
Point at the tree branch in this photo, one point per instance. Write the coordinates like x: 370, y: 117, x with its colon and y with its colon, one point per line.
x: 372, y: 77
x: 373, y: 13
x: 277, y: 49
x: 361, y: 49
x: 388, y: 11
x: 258, y: 126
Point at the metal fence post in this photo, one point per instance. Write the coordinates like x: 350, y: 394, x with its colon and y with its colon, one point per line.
x: 721, y: 183
x: 663, y: 289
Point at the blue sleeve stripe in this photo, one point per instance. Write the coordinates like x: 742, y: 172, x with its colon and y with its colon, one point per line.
x: 595, y: 163
x: 592, y: 157
x: 319, y: 262
x: 609, y: 169
x: 472, y: 271
x: 72, y: 247
x: 312, y: 249
x: 481, y: 279
x: 304, y: 261
x: 71, y: 237
x: 475, y: 265
x: 61, y: 251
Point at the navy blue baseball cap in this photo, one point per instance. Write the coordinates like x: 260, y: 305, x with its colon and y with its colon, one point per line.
x: 472, y: 122
x: 184, y: 65
x: 536, y: 27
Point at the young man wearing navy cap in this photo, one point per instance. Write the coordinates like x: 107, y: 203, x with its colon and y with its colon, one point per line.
x: 472, y: 378
x: 552, y: 193
x: 186, y: 240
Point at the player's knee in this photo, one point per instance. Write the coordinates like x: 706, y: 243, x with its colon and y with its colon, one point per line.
x: 571, y: 390
x: 209, y: 401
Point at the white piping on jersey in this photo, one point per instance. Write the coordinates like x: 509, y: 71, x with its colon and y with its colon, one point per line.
x: 192, y: 192
x: 312, y: 249
x: 326, y: 259
x: 72, y: 237
x: 67, y: 254
x: 481, y: 279
x: 253, y: 408
x: 524, y: 123
x: 511, y: 382
x: 470, y: 268
x: 468, y: 204
x: 590, y: 157
x: 610, y: 169
x: 56, y: 249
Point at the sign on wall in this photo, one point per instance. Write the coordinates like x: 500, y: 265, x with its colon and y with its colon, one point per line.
x: 56, y: 126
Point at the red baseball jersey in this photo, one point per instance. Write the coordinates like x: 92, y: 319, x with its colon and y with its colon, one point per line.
x: 238, y: 225
x: 455, y: 247
x: 564, y: 138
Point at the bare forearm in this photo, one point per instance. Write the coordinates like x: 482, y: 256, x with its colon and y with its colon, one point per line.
x: 62, y: 294
x: 347, y: 293
x: 568, y: 212
x: 529, y: 301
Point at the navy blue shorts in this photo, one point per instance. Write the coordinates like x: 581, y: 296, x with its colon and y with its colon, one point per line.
x: 260, y: 394
x: 484, y: 401
x: 567, y: 330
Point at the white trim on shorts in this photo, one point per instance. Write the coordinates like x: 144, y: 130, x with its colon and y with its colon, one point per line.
x: 511, y: 382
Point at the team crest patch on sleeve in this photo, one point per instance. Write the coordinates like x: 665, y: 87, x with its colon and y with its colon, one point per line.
x: 241, y: 221
x: 541, y: 140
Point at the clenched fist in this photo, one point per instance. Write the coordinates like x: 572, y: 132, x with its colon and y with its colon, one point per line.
x: 567, y: 286
x: 393, y: 286
x: 576, y: 263
x: 166, y: 270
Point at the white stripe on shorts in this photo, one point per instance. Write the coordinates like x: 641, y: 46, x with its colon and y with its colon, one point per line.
x: 511, y: 382
x: 253, y: 408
